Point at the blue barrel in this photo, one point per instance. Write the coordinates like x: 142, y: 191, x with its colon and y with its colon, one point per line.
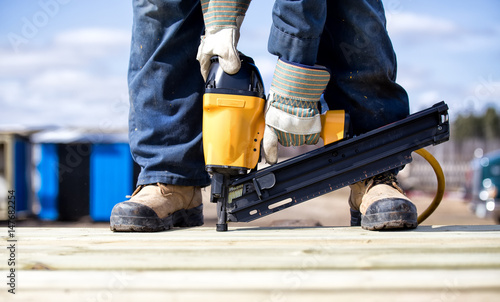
x: 49, y: 182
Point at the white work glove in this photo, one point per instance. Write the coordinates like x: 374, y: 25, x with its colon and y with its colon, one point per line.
x: 223, y: 20
x: 292, y: 116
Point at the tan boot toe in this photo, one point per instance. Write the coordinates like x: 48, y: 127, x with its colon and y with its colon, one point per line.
x: 158, y: 207
x: 382, y: 204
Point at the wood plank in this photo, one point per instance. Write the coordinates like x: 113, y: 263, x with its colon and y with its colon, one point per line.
x: 293, y: 285
x: 431, y: 263
x: 254, y: 248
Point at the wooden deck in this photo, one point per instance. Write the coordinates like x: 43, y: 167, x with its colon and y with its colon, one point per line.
x: 431, y: 263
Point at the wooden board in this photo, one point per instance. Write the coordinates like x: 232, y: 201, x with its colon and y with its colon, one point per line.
x: 431, y: 263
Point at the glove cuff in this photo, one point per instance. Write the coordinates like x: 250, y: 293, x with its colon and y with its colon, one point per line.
x: 224, y: 13
x: 299, y: 82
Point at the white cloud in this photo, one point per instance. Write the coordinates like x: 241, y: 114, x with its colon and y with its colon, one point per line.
x: 73, y: 48
x: 60, y: 79
x: 10, y: 92
x: 93, y: 37
x: 79, y: 79
x: 415, y: 24
x: 446, y: 59
x: 429, y: 97
x: 483, y: 92
x: 431, y: 33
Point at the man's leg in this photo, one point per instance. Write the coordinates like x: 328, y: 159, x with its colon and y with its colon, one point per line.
x: 166, y: 89
x: 356, y: 47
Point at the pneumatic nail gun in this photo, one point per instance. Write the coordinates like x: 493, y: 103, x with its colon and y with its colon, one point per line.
x: 233, y: 128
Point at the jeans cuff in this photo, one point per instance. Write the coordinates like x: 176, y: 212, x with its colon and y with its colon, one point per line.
x: 173, y: 180
x: 293, y: 48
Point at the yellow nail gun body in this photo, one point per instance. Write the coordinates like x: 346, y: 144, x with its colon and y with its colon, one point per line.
x: 233, y: 119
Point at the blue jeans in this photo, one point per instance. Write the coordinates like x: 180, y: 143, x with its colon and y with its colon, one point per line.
x: 349, y: 38
x: 166, y: 88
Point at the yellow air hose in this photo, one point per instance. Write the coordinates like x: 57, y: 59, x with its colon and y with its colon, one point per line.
x: 440, y: 184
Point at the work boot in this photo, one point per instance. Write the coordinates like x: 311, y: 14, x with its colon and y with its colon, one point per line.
x: 158, y: 207
x: 379, y: 203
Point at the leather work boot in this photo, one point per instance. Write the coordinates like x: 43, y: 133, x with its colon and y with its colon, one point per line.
x: 379, y: 203
x: 158, y: 207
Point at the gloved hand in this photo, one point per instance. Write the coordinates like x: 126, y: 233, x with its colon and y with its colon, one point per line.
x: 292, y: 116
x: 223, y: 20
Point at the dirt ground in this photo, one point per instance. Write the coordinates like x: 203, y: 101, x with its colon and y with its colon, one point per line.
x: 332, y: 210
x: 327, y: 210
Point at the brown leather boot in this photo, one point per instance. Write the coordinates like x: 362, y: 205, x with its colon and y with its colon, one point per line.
x: 382, y: 204
x: 158, y: 207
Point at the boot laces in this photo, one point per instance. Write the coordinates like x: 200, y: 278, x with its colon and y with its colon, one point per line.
x: 386, y: 178
x: 139, y: 188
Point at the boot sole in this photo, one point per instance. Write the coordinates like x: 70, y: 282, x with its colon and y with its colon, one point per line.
x: 182, y: 218
x: 388, y: 221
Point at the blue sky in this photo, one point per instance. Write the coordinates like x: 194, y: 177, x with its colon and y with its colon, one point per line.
x: 64, y: 62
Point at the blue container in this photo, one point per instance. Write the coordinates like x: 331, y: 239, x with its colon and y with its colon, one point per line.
x: 49, y: 182
x: 109, y: 175
x: 111, y: 178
